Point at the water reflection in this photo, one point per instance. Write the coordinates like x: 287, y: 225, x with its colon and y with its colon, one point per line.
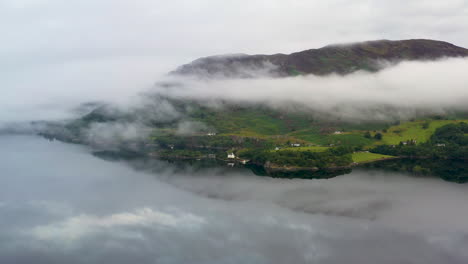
x: 60, y: 204
x: 449, y: 170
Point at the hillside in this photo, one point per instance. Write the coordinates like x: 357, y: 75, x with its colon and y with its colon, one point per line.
x: 276, y: 138
x: 256, y: 135
x: 341, y: 59
x: 247, y: 126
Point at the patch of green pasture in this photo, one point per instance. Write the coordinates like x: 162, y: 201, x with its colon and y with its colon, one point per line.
x: 310, y: 148
x: 349, y: 139
x: 413, y: 130
x: 259, y: 122
x: 367, y: 156
x: 311, y: 135
x: 363, y: 126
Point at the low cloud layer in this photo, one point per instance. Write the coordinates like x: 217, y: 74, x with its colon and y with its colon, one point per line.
x: 398, y: 92
x: 402, y: 91
x: 109, y: 135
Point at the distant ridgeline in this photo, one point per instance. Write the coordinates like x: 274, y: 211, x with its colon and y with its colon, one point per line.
x: 340, y: 59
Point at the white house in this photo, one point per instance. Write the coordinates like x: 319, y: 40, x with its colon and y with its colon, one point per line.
x: 338, y: 132
x: 231, y: 156
x: 277, y: 148
x: 440, y: 145
x: 211, y: 134
x: 295, y: 145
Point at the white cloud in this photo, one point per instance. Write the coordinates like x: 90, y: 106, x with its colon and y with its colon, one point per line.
x: 111, y: 134
x: 404, y: 89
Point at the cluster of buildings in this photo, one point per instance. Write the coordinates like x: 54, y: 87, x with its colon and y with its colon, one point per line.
x: 232, y: 156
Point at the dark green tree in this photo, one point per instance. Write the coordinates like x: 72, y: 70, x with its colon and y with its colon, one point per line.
x: 367, y: 135
x: 378, y: 136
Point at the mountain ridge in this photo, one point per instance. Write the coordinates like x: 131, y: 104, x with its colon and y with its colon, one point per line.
x: 334, y: 58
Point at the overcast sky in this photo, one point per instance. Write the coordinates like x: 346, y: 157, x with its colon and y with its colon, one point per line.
x: 54, y: 51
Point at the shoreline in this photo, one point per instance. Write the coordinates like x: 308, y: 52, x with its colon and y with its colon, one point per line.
x: 273, y: 167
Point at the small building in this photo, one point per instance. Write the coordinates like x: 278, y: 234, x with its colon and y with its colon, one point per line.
x: 410, y: 142
x: 211, y: 134
x: 231, y: 156
x: 338, y: 132
x: 277, y: 148
x: 295, y: 145
x: 440, y: 145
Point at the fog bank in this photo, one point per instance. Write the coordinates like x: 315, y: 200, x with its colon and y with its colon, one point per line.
x: 404, y: 90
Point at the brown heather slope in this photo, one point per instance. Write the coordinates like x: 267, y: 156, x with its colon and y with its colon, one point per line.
x: 340, y: 59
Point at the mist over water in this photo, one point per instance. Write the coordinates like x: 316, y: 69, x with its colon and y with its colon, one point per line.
x: 60, y: 204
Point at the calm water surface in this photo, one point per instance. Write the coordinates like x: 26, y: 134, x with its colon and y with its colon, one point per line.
x: 60, y: 204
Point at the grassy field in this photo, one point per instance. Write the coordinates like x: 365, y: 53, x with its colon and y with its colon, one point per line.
x: 312, y: 148
x: 255, y: 123
x: 350, y: 138
x: 283, y: 128
x: 311, y: 135
x: 360, y: 157
x: 413, y: 130
x: 252, y: 121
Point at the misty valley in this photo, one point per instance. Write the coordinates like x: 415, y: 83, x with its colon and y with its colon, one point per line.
x: 322, y: 111
x: 349, y: 153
